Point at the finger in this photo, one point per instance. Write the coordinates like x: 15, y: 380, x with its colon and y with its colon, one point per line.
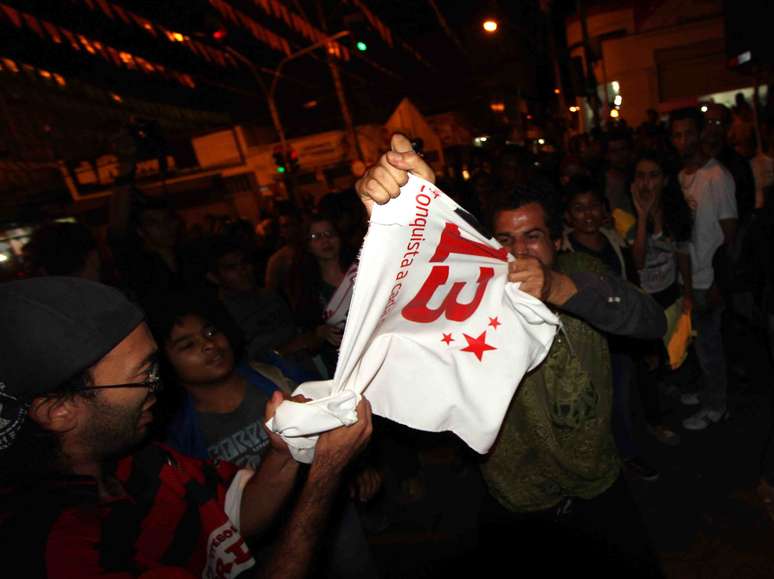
x: 400, y: 143
x: 409, y: 160
x: 276, y: 399
x: 368, y: 418
x: 392, y: 179
x: 400, y: 176
x: 518, y: 265
x: 374, y: 190
x: 520, y: 277
x: 364, y: 409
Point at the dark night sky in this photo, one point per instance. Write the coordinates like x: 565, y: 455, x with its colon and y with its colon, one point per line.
x: 464, y: 68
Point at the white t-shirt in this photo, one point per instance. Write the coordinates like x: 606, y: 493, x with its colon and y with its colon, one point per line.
x: 711, y: 194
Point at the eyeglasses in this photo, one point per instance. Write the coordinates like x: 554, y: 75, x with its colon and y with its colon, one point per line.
x: 152, y: 382
x: 322, y: 234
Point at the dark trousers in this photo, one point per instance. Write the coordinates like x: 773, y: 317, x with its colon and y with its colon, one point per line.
x: 604, y: 536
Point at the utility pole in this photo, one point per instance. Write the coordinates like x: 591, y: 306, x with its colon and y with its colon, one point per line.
x: 271, y: 91
x: 338, y: 85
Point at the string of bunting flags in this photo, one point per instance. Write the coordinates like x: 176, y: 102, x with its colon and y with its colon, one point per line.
x: 116, y: 13
x: 99, y: 101
x: 260, y: 33
x: 81, y: 43
x: 294, y: 21
x: 301, y: 25
x: 374, y: 21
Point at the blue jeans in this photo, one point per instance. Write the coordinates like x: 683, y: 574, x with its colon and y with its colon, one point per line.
x: 707, y: 323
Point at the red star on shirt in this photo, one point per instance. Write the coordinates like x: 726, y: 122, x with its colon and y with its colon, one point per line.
x: 494, y: 322
x: 447, y: 338
x: 477, y: 345
x: 435, y: 193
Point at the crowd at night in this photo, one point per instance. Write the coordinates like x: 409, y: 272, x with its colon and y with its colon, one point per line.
x: 243, y: 341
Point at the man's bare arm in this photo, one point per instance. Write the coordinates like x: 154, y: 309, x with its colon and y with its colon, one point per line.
x: 298, y: 540
x: 266, y: 492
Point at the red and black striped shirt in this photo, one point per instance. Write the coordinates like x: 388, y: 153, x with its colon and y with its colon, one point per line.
x: 171, y: 523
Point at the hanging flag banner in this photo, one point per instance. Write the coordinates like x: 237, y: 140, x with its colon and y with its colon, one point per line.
x: 79, y: 42
x: 265, y: 35
x: 299, y: 24
x: 435, y: 338
x: 375, y: 23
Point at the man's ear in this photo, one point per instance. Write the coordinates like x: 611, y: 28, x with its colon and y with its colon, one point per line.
x: 55, y: 414
x: 558, y: 243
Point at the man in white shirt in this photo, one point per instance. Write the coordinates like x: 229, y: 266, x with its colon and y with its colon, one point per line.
x: 710, y: 192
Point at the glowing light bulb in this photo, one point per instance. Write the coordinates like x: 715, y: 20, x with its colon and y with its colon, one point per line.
x: 490, y: 25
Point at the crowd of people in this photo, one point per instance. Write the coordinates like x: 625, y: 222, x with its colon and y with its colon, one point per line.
x: 625, y: 234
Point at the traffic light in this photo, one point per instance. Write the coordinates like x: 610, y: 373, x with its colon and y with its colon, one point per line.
x: 361, y: 46
x: 293, y: 160
x: 287, y: 163
x: 279, y: 161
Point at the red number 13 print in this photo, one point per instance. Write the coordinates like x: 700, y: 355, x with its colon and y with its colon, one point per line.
x: 452, y: 242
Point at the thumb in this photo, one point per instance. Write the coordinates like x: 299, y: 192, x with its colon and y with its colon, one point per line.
x: 402, y: 156
x: 400, y: 144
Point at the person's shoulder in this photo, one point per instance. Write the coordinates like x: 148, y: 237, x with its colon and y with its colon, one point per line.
x: 572, y: 262
x: 716, y: 170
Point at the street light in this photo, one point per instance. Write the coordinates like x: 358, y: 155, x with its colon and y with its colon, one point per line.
x: 271, y: 90
x: 490, y: 25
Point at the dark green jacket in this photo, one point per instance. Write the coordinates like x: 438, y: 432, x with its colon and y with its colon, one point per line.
x: 556, y: 440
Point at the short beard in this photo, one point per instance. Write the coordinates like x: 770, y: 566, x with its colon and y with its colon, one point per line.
x: 113, y: 431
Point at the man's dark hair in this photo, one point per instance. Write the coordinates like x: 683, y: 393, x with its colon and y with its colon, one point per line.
x: 687, y: 113
x: 522, y: 195
x: 59, y: 249
x: 37, y: 452
x: 167, y: 310
x: 579, y: 185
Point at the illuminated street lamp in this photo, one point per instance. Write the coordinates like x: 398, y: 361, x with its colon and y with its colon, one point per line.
x: 490, y: 25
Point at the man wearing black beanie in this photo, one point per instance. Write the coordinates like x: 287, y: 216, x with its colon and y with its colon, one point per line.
x: 79, y: 496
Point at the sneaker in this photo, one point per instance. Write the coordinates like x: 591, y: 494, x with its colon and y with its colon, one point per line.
x: 703, y: 418
x: 664, y: 435
x: 641, y: 469
x: 690, y: 399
